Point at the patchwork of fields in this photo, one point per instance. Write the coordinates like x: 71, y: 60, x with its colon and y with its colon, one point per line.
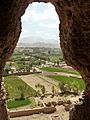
x: 26, y: 84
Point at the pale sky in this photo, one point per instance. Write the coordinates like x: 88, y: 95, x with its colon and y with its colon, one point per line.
x: 40, y: 20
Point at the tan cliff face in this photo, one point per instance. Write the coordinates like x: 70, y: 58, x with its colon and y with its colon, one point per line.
x: 74, y: 29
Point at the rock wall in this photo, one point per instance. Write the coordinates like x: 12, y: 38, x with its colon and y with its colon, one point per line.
x: 45, y: 110
x: 74, y: 29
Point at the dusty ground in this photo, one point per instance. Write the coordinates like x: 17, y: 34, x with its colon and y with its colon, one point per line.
x: 33, y: 117
x: 57, y: 98
x: 60, y: 114
x: 35, y: 79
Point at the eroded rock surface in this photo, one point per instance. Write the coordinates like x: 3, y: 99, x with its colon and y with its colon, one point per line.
x: 74, y: 29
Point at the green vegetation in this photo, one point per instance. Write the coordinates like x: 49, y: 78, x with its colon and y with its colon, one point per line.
x: 50, y: 69
x: 18, y: 90
x: 70, y: 82
x: 14, y: 87
x: 32, y: 57
x: 40, y: 89
x: 56, y: 58
x: 18, y: 103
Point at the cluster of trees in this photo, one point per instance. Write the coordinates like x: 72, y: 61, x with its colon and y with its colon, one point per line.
x: 63, y: 87
x: 69, y: 88
x: 41, y: 90
x: 25, y: 60
x: 22, y: 65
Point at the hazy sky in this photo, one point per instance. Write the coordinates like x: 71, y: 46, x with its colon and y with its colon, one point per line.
x: 40, y: 20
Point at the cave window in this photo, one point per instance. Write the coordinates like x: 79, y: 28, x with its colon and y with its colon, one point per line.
x: 40, y: 23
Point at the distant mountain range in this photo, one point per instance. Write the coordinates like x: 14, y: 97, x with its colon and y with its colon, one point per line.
x: 38, y: 42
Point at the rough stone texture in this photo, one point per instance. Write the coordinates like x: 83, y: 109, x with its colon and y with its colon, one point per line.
x: 3, y: 110
x: 75, y: 37
x: 80, y: 112
x: 74, y: 28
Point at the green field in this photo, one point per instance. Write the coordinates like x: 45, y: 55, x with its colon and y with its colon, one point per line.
x: 18, y: 103
x: 72, y: 82
x: 14, y: 86
x: 49, y: 69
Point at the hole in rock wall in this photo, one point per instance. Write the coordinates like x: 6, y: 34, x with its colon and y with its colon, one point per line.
x: 40, y: 23
x: 39, y: 37
x: 38, y: 51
